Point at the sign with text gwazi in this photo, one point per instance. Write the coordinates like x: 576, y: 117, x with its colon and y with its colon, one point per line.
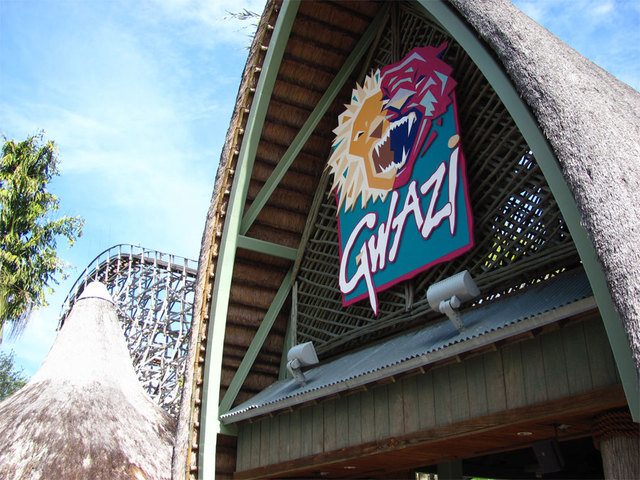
x: 399, y: 176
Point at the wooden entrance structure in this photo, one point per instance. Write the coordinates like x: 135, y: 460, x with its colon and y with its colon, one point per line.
x: 269, y: 261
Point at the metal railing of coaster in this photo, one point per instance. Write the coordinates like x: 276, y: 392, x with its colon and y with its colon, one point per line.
x: 153, y: 293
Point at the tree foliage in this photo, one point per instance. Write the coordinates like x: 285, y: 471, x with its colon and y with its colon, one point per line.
x: 28, y: 233
x: 11, y: 380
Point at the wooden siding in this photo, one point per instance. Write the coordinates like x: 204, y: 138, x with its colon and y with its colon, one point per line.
x: 564, y: 362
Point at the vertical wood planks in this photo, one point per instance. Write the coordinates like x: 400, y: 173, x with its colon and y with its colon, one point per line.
x: 426, y: 401
x: 513, y: 376
x: 273, y: 443
x: 601, y: 363
x: 477, y: 386
x: 255, y: 444
x: 577, y: 359
x: 306, y: 431
x: 381, y: 412
x: 317, y: 439
x: 343, y: 423
x: 411, y: 404
x: 535, y: 386
x: 284, y: 437
x: 367, y: 417
x: 442, y: 396
x: 265, y: 429
x: 555, y: 365
x: 459, y: 392
x: 355, y: 419
x: 243, y: 458
x: 494, y: 379
x: 329, y: 415
x: 295, y: 431
x: 396, y: 410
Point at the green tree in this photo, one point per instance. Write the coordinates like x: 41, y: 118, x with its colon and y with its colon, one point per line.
x: 28, y: 233
x: 11, y: 380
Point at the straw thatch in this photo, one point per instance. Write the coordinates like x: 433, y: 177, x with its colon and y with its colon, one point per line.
x: 592, y: 122
x: 84, y: 415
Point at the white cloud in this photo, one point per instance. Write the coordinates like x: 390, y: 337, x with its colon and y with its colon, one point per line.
x: 602, y: 8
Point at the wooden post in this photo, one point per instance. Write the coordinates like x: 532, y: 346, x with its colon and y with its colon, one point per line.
x: 618, y: 438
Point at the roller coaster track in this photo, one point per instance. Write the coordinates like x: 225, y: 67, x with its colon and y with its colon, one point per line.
x: 153, y: 292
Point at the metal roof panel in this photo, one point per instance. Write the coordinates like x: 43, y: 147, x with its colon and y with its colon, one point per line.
x: 485, y: 323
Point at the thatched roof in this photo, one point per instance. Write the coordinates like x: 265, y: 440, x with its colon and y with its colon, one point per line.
x: 592, y: 121
x: 84, y: 415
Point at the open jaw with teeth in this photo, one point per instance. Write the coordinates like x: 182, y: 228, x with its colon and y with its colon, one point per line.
x: 393, y: 150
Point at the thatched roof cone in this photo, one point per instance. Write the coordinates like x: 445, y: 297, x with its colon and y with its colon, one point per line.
x: 84, y: 415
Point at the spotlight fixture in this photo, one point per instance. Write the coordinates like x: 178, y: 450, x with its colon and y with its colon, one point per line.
x: 301, y: 355
x: 447, y: 295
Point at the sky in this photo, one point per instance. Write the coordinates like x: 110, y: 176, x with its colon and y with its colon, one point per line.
x: 138, y: 97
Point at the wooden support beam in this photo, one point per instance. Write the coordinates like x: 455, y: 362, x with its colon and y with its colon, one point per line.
x: 313, y: 120
x: 267, y: 248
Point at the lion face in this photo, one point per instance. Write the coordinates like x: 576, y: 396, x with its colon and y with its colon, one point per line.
x: 362, y: 160
x: 370, y: 143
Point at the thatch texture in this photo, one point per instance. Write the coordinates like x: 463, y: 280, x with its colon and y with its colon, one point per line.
x: 592, y: 122
x: 84, y: 415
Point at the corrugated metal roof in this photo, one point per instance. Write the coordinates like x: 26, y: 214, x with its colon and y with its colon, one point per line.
x: 541, y: 304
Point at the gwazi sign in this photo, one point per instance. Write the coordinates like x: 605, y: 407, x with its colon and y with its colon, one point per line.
x: 399, y: 176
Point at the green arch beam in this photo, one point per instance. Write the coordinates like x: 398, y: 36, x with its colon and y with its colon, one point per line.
x: 548, y: 163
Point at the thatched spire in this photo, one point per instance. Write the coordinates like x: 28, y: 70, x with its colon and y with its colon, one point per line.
x: 84, y: 415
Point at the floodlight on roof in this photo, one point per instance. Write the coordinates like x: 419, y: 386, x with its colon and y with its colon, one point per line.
x: 447, y: 295
x: 302, y: 355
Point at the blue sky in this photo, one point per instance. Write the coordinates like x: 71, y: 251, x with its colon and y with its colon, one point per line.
x: 138, y: 97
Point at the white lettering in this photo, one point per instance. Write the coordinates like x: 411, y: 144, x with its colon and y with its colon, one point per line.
x: 411, y: 206
x: 375, y: 252
x: 431, y: 220
x: 453, y: 188
x: 378, y: 245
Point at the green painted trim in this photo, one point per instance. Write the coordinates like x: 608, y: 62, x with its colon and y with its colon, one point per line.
x: 256, y: 344
x: 310, y: 125
x: 210, y: 425
x: 268, y: 248
x: 545, y: 157
x: 291, y: 333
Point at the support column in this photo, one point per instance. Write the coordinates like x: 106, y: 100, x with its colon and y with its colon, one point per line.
x: 618, y: 439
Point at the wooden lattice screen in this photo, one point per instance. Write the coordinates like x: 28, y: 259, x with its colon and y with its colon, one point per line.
x: 520, y: 235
